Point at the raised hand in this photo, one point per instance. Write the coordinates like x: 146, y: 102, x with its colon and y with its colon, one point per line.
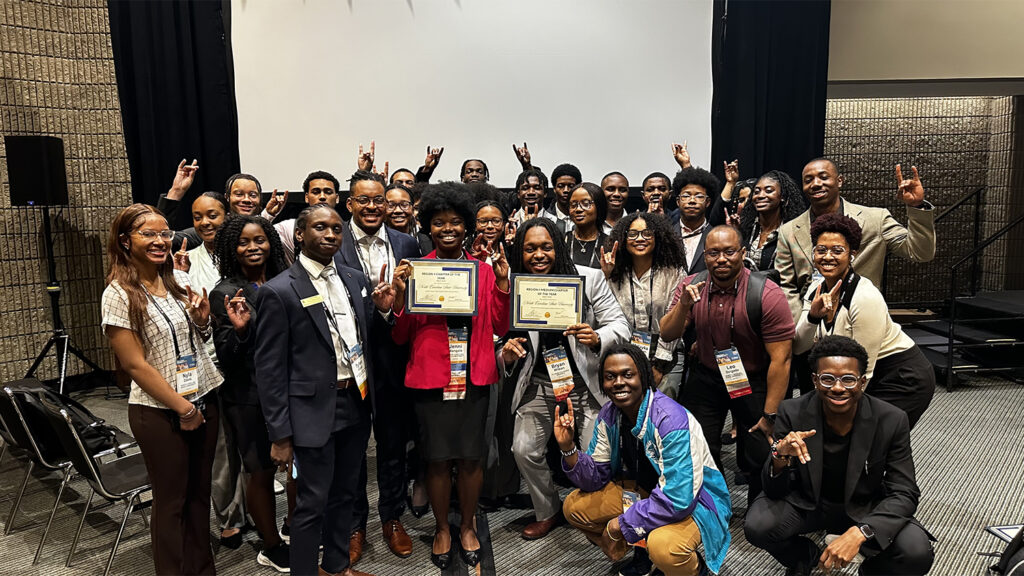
x: 500, y: 266
x: 383, y: 174
x: 480, y: 249
x: 198, y: 306
x: 433, y: 157
x: 523, y: 155
x: 276, y: 204
x: 510, y: 231
x: 513, y: 350
x: 911, y: 191
x: 655, y: 206
x: 365, y: 159
x: 384, y: 293
x: 532, y: 211
x: 565, y: 427
x: 238, y: 312
x: 183, y: 178
x: 584, y: 335
x: 681, y: 155
x: 793, y: 444
x: 691, y: 294
x: 181, y: 259
x: 732, y: 219
x: 732, y: 171
x: 402, y: 273
x: 608, y: 259
x: 825, y: 303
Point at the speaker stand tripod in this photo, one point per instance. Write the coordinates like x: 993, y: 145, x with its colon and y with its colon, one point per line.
x: 60, y: 337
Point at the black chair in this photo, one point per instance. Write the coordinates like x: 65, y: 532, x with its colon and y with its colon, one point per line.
x: 123, y: 479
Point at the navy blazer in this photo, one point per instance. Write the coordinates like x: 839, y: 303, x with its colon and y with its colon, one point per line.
x: 698, y: 264
x: 296, y: 369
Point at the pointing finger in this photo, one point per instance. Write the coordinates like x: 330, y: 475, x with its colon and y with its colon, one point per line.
x: 899, y: 175
x: 184, y: 245
x: 568, y: 402
x: 914, y: 170
x: 383, y: 273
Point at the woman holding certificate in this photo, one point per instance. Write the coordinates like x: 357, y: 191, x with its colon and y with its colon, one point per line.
x: 451, y: 364
x: 554, y: 354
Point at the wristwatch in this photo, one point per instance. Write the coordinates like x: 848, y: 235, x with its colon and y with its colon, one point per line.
x: 770, y: 417
x: 866, y: 531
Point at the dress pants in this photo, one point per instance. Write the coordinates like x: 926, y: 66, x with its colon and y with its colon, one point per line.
x: 906, y: 380
x: 776, y: 526
x: 327, y: 489
x: 229, y: 480
x: 533, y: 427
x: 705, y: 395
x: 179, y: 466
x: 390, y: 433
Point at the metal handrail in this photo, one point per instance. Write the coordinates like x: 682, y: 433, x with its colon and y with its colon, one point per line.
x: 959, y: 203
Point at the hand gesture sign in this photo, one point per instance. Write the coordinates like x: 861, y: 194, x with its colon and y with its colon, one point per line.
x: 181, y: 259
x: 565, y: 427
x: 402, y: 273
x: 732, y: 219
x: 655, y: 206
x: 365, y: 159
x: 681, y: 155
x: 523, y: 155
x: 198, y: 306
x: 825, y: 303
x: 793, y: 445
x: 531, y: 211
x: 183, y: 178
x: 383, y: 174
x: 513, y: 350
x: 481, y: 249
x: 384, y: 293
x: 510, y: 231
x: 691, y: 294
x: 433, y: 157
x: 732, y: 171
x: 276, y: 203
x: 500, y: 266
x: 911, y: 191
x: 238, y: 311
x: 608, y: 259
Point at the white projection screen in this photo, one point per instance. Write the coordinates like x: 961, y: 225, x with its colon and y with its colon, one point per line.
x: 603, y: 84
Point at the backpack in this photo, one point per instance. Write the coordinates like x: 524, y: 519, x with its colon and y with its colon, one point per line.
x: 96, y: 435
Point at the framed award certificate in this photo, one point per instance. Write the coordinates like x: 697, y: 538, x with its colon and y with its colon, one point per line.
x: 447, y: 287
x: 546, y: 302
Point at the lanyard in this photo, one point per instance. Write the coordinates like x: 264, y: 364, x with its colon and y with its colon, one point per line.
x: 388, y: 255
x: 334, y: 321
x: 636, y: 456
x: 732, y: 320
x: 170, y: 325
x: 572, y: 241
x: 650, y: 301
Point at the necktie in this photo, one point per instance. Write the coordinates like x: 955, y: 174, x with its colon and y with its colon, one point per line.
x: 336, y: 299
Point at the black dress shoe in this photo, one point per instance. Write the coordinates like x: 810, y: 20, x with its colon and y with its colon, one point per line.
x: 233, y: 542
x: 443, y: 559
x: 416, y: 511
x: 470, y: 557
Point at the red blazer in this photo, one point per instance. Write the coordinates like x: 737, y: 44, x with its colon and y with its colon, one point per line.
x: 429, y: 361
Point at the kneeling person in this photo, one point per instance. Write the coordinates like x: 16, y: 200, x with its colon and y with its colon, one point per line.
x: 842, y: 463
x: 659, y: 446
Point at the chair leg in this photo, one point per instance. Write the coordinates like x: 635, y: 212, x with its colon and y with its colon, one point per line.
x: 145, y: 518
x: 74, y: 541
x: 17, y: 501
x: 127, y: 512
x: 3, y: 452
x: 56, y: 503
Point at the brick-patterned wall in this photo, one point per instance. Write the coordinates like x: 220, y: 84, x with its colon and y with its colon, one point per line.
x: 57, y: 78
x: 958, y: 144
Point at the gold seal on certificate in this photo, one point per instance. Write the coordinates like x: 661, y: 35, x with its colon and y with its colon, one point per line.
x: 546, y: 302
x: 446, y: 287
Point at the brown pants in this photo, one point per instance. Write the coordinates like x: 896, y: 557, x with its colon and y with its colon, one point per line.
x: 180, y: 468
x: 672, y: 548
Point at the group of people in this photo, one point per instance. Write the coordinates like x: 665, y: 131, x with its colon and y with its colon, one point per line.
x: 256, y: 345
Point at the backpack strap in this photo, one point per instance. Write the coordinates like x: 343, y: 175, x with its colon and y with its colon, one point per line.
x: 755, y: 292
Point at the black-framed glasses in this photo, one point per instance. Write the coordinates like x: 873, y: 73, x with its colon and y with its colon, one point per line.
x: 835, y: 250
x: 243, y: 194
x: 167, y: 235
x: 646, y: 234
x: 491, y: 221
x: 714, y: 254
x: 826, y: 380
x: 366, y: 200
x: 585, y: 204
x: 697, y: 197
x: 404, y: 205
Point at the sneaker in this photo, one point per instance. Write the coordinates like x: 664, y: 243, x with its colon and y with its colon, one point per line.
x: 641, y: 564
x: 276, y: 558
x: 286, y: 533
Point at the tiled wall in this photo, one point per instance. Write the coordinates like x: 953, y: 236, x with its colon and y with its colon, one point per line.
x: 958, y: 145
x: 57, y: 78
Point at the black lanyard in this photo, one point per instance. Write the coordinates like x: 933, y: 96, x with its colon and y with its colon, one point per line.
x: 583, y: 246
x: 636, y: 459
x: 732, y: 318
x: 174, y: 335
x: 650, y: 301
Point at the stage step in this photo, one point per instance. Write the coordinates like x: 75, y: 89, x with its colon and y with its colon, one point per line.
x: 966, y: 333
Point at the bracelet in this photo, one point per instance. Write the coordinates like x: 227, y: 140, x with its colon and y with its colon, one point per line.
x: 189, y: 414
x: 777, y: 456
x: 609, y: 533
x: 570, y: 452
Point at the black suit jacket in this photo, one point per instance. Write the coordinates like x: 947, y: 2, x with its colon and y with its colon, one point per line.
x: 296, y: 369
x: 402, y: 246
x: 881, y: 490
x: 697, y: 265
x: 234, y: 353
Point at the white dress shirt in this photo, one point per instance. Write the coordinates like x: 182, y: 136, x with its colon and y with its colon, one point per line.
x: 341, y: 320
x: 374, y: 250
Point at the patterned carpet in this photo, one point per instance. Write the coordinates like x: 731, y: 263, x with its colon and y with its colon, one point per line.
x: 968, y: 447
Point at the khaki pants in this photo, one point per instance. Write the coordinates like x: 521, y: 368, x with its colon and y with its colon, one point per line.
x: 672, y: 548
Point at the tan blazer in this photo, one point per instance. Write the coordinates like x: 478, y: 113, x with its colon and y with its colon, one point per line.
x: 880, y: 234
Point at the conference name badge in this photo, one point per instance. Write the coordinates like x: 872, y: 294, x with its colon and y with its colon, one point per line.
x: 357, y: 362
x: 186, y: 376
x: 312, y: 301
x: 458, y: 350
x: 735, y: 376
x: 559, y: 371
x: 642, y: 340
x: 628, y: 499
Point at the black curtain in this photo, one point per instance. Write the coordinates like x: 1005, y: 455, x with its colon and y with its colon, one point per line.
x: 770, y: 71
x: 175, y: 79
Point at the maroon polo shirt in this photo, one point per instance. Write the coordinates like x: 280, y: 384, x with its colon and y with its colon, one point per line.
x: 710, y: 317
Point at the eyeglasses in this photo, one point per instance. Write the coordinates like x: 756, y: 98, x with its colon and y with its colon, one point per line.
x: 826, y: 380
x: 835, y: 250
x: 396, y: 205
x: 152, y: 234
x: 714, y: 254
x: 646, y: 234
x: 697, y: 197
x: 526, y: 187
x: 585, y: 204
x: 366, y: 200
x: 242, y: 194
x: 491, y: 221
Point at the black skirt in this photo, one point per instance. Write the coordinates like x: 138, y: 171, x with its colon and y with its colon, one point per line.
x: 906, y: 380
x: 451, y: 429
x: 249, y: 429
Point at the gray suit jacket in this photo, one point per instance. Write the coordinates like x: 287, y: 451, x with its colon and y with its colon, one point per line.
x: 881, y: 234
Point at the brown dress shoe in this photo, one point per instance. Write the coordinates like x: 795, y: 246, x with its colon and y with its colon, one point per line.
x: 540, y: 529
x: 355, y: 546
x: 398, y: 540
x: 349, y: 572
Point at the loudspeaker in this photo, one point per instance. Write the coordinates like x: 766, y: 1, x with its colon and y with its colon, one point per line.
x: 35, y: 169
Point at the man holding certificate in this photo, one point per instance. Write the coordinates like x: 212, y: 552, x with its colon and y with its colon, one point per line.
x: 448, y: 306
x: 565, y: 318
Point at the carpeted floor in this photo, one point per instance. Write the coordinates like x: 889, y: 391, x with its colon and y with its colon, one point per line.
x: 969, y: 450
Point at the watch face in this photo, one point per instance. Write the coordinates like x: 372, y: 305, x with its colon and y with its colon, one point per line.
x: 867, y: 531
